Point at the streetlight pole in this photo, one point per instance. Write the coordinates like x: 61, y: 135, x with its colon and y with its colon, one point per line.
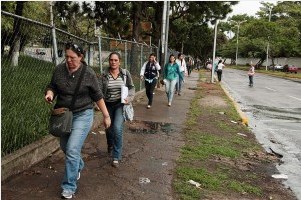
x: 238, y: 25
x: 214, y: 48
x: 267, y: 63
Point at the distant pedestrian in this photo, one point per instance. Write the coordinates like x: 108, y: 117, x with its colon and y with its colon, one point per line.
x: 183, y: 69
x: 189, y: 66
x: 111, y: 82
x: 220, y: 67
x: 61, y: 87
x: 171, y: 74
x: 150, y: 73
x: 251, y: 73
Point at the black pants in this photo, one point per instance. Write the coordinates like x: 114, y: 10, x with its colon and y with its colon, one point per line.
x: 189, y: 69
x: 149, y: 89
x: 219, y: 75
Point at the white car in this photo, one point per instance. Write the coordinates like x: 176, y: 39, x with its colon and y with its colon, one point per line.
x: 278, y: 67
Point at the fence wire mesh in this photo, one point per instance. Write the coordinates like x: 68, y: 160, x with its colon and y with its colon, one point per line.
x: 27, y: 62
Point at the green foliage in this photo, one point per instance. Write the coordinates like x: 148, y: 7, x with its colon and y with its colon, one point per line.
x: 24, y: 112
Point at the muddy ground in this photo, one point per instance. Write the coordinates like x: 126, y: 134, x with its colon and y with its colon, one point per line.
x: 152, y: 145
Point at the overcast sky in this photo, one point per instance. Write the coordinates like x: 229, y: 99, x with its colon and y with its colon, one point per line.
x: 249, y: 7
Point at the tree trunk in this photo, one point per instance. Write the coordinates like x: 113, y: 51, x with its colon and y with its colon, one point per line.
x: 16, y: 37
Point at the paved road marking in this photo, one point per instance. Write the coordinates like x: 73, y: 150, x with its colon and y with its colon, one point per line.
x: 270, y: 89
x: 294, y: 97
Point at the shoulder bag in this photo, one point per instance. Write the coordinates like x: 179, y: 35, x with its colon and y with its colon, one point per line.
x: 60, y: 122
x: 128, y: 110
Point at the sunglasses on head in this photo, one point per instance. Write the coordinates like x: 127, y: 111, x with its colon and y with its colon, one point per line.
x: 74, y: 47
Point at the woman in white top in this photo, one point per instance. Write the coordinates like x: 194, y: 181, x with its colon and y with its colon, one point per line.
x: 219, y: 71
x: 183, y: 69
x: 251, y: 73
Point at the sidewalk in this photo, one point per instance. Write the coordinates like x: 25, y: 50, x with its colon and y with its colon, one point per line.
x: 151, y: 147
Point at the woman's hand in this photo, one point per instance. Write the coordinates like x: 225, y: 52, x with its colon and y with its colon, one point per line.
x: 106, y: 122
x: 126, y: 101
x: 49, y: 97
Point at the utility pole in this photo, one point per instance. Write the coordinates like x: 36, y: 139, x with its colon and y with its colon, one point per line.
x: 267, y: 62
x: 166, y: 32
x: 214, y: 49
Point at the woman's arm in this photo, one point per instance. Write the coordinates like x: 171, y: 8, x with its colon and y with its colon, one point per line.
x: 106, y: 117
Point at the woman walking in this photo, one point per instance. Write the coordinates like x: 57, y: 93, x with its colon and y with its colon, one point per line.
x: 149, y: 72
x: 111, y: 82
x: 62, y: 87
x: 219, y: 71
x: 171, y: 74
x: 251, y: 73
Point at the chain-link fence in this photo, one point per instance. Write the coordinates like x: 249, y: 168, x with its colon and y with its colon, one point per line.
x: 27, y: 62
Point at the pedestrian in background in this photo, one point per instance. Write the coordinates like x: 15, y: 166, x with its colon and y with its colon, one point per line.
x: 171, y: 75
x: 150, y: 73
x: 183, y: 69
x: 111, y: 82
x: 220, y: 67
x: 251, y: 73
x: 62, y: 87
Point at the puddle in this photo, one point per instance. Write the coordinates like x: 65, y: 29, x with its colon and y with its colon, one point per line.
x: 145, y: 127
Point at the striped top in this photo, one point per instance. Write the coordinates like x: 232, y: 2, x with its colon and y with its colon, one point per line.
x: 114, y: 89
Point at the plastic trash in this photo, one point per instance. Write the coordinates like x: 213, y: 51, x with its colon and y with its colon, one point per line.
x: 194, y: 183
x: 280, y: 176
x: 242, y: 134
x: 234, y: 122
x: 164, y: 164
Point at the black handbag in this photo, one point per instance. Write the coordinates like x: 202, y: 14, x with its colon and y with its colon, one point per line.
x: 60, y: 122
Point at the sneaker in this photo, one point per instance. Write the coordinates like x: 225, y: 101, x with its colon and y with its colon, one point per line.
x: 115, y: 163
x: 78, y: 176
x: 148, y: 107
x: 169, y: 104
x: 67, y: 194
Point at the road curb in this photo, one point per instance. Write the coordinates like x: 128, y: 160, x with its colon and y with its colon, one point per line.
x: 243, y: 117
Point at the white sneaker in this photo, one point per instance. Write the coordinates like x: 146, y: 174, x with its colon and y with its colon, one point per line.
x: 148, y: 106
x: 115, y: 163
x: 78, y: 176
x: 67, y: 194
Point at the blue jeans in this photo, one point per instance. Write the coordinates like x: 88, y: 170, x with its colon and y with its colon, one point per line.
x: 72, y: 145
x: 115, y: 132
x: 179, y: 83
x: 170, y: 88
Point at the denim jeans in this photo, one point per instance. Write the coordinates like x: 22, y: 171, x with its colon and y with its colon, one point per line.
x: 115, y: 132
x: 149, y: 90
x: 179, y: 83
x: 72, y: 145
x: 170, y: 88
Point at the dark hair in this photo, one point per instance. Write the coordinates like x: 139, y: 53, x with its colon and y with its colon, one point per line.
x: 220, y: 61
x: 179, y: 55
x: 171, y: 55
x: 75, y: 48
x: 115, y: 53
x: 152, y: 54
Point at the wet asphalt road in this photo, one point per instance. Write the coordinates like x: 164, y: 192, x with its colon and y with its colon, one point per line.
x: 273, y: 107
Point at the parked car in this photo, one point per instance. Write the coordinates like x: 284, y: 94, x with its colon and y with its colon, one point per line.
x: 277, y: 67
x: 290, y: 68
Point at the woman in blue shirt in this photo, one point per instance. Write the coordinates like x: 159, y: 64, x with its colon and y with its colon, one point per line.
x: 171, y: 74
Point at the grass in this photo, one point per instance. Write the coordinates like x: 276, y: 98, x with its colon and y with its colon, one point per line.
x: 203, y: 146
x: 24, y: 113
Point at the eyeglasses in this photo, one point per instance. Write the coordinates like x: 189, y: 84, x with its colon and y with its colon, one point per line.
x: 74, y: 47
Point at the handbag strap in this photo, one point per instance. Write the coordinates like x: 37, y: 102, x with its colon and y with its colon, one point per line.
x: 77, y: 86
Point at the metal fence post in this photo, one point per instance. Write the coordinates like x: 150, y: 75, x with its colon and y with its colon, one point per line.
x: 55, y: 54
x: 99, y: 53
x: 125, y: 55
x: 141, y: 60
